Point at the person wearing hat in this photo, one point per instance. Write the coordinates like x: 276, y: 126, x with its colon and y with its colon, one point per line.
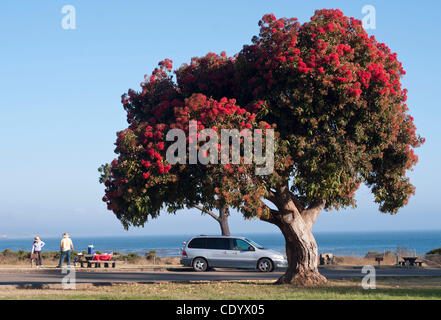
x: 36, y: 251
x: 66, y: 248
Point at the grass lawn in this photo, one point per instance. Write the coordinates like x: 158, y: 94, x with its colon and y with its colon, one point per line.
x: 391, y: 288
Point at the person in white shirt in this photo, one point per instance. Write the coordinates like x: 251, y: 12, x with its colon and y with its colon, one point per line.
x: 36, y: 250
x: 66, y: 248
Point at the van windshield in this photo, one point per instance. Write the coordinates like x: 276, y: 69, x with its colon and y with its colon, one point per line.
x: 258, y: 246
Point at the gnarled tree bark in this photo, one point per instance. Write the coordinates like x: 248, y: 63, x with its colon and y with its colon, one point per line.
x: 301, y: 248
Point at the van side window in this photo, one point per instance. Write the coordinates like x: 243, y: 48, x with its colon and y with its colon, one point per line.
x: 218, y: 243
x: 240, y: 245
x: 197, y: 243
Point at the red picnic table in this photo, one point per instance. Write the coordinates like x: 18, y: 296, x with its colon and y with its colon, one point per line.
x: 96, y: 260
x: 102, y: 257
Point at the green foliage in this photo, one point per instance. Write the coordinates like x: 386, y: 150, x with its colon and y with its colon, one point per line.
x: 132, y: 257
x: 22, y: 254
x: 150, y: 255
x: 8, y: 253
x: 435, y: 251
x: 373, y: 254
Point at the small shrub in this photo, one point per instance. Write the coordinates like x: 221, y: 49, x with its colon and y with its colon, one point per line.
x: 150, y: 255
x: 373, y: 254
x: 434, y: 251
x: 22, y: 254
x: 8, y: 253
x: 339, y: 259
x: 47, y: 255
x: 132, y: 257
x: 434, y: 259
x: 120, y: 257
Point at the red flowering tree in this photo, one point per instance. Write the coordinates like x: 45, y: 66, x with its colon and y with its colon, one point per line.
x: 332, y: 93
x: 141, y: 182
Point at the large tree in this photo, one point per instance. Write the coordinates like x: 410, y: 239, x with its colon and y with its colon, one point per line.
x: 332, y: 93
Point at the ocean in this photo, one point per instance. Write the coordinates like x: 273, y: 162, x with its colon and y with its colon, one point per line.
x: 339, y: 243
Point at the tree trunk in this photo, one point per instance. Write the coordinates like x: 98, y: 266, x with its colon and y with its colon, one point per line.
x: 301, y: 252
x: 296, y: 223
x: 223, y: 221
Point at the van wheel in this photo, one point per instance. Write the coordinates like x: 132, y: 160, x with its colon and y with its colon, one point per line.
x: 200, y: 265
x: 265, y: 265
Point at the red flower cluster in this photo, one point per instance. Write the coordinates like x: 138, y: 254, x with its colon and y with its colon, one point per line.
x: 167, y: 64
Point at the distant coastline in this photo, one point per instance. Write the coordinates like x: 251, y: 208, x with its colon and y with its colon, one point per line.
x: 129, y: 234
x: 349, y: 243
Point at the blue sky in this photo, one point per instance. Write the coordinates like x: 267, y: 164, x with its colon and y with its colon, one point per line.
x: 61, y: 89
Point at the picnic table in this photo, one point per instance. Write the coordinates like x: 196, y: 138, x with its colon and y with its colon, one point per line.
x: 326, y: 258
x: 95, y: 260
x: 379, y: 259
x: 411, y: 262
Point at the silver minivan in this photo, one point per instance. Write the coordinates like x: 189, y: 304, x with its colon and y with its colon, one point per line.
x: 204, y: 252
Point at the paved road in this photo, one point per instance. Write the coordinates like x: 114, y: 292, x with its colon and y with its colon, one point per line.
x: 48, y: 276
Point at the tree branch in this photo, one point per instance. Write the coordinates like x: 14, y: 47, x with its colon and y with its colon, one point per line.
x: 310, y: 215
x: 212, y: 214
x: 271, y: 196
x: 272, y: 214
x: 297, y: 202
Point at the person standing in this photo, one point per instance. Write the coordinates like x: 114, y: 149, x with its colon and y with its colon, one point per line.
x: 66, y: 248
x: 36, y: 251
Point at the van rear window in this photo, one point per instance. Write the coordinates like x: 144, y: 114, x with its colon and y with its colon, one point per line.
x: 198, y: 243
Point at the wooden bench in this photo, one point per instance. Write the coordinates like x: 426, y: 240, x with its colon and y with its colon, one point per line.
x: 97, y: 263
x: 415, y: 263
x: 86, y: 260
x: 379, y: 259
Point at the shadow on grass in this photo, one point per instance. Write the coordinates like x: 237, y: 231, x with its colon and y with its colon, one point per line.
x: 30, y: 286
x: 353, y: 291
x: 255, y: 290
x: 391, y: 293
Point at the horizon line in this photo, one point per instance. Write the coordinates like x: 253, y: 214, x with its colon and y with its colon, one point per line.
x: 6, y: 236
